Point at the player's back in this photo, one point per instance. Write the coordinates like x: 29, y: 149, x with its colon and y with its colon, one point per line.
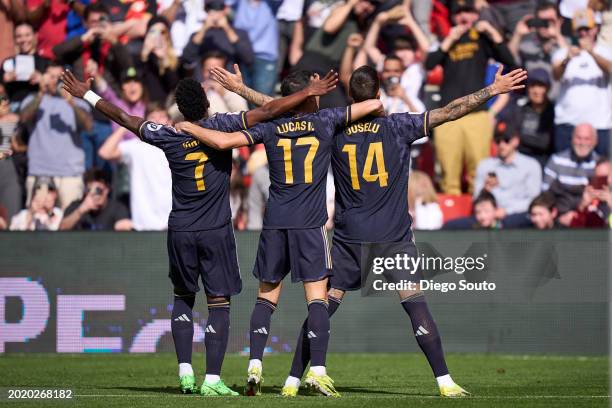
x: 200, y: 174
x: 298, y: 150
x: 371, y: 160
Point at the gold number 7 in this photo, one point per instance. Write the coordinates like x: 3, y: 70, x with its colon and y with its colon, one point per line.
x: 201, y: 157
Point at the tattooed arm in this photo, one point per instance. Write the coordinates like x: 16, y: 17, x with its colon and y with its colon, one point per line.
x: 234, y: 83
x: 462, y: 106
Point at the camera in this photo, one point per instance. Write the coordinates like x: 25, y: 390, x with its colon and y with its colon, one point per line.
x: 391, y: 82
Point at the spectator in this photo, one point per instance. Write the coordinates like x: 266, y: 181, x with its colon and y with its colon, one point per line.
x: 537, y: 38
x: 11, y: 12
x: 21, y: 72
x: 54, y: 119
x: 567, y: 173
x: 217, y: 34
x: 185, y: 17
x: 133, y: 98
x: 220, y: 99
x: 288, y: 14
x: 259, y: 190
x: 585, y: 94
x: 423, y: 202
x: 237, y: 197
x: 543, y: 212
x: 604, y: 7
x: 99, y: 45
x: 96, y: 211
x: 534, y: 116
x: 49, y: 18
x: 513, y: 178
x: 42, y: 214
x: 159, y: 61
x: 10, y: 190
x: 464, y: 55
x: 150, y: 178
x: 256, y: 18
x: 594, y: 208
x: 485, y: 212
x: 512, y: 11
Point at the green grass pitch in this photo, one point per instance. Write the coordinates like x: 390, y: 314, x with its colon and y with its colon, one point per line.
x: 365, y: 380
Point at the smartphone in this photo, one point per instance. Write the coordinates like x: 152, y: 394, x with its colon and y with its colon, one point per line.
x: 599, y: 182
x: 537, y: 23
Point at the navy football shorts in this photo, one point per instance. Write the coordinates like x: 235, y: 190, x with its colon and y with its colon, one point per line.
x: 209, y: 254
x: 304, y: 252
x: 347, y: 274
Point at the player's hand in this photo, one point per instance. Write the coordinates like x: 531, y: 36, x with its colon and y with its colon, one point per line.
x: 320, y: 87
x: 73, y: 86
x: 231, y: 82
x: 185, y: 127
x: 509, y: 82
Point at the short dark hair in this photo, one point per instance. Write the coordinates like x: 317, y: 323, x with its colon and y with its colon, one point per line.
x: 483, y: 197
x: 393, y: 57
x: 23, y: 23
x: 214, y: 54
x: 545, y: 5
x: 295, y: 82
x: 97, y: 7
x: 364, y: 83
x: 154, y: 107
x: 191, y: 99
x: 97, y: 175
x: 545, y: 199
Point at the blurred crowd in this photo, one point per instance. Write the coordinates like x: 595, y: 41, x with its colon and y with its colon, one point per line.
x: 538, y: 158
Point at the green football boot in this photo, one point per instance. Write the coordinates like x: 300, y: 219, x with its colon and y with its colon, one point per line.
x: 218, y: 389
x: 187, y: 384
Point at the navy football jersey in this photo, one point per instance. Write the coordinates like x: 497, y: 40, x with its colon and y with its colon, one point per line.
x: 200, y: 174
x: 370, y: 161
x: 298, y: 149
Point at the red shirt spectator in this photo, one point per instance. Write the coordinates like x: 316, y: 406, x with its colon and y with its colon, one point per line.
x: 52, y: 26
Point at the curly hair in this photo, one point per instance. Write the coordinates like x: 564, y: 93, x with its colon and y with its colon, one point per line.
x: 191, y: 99
x: 295, y: 82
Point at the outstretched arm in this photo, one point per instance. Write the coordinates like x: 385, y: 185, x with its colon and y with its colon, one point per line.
x: 213, y: 138
x: 276, y: 107
x: 234, y: 83
x: 464, y: 105
x: 365, y: 108
x: 80, y: 89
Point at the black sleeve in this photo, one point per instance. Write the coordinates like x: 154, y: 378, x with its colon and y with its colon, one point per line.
x: 68, y: 51
x: 72, y: 207
x: 434, y: 59
x: 191, y: 52
x: 500, y: 53
x: 243, y: 49
x: 121, y: 212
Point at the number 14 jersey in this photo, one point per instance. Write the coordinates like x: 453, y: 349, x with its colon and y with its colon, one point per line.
x: 371, y: 162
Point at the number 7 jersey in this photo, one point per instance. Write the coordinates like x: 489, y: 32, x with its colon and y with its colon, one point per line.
x: 371, y: 162
x: 200, y: 174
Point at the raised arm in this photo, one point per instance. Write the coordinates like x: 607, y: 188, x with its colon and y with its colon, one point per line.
x: 365, y: 108
x: 80, y: 89
x: 234, y: 83
x: 213, y: 138
x: 464, y: 105
x: 277, y: 107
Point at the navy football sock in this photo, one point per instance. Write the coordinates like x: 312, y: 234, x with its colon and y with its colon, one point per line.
x: 260, y: 327
x: 318, y: 331
x: 301, y: 357
x: 426, y: 332
x: 216, y: 334
x: 182, y: 326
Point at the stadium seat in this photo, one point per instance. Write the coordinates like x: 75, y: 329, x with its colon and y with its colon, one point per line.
x: 455, y: 206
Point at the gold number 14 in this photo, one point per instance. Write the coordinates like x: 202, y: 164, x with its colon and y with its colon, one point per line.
x: 375, y: 154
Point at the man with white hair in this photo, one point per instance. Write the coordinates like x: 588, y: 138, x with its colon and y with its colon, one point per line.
x: 568, y: 172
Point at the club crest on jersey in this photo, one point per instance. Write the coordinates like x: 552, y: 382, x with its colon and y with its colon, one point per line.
x: 154, y: 127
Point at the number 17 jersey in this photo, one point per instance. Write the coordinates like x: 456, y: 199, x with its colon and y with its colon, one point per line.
x: 371, y: 162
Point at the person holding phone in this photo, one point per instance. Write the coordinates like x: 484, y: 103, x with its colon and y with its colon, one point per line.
x: 536, y: 37
x: 594, y: 209
x: 96, y: 211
